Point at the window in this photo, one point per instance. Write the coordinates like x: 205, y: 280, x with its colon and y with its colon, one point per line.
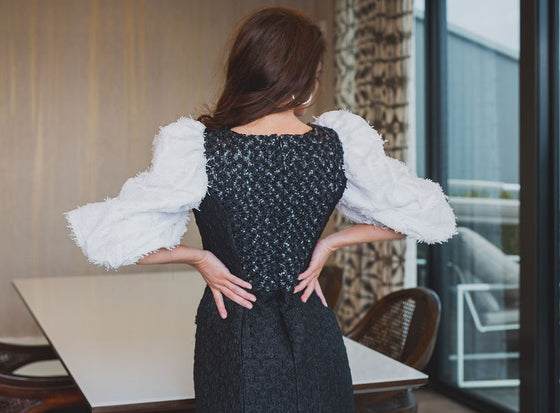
x: 478, y: 350
x: 483, y: 184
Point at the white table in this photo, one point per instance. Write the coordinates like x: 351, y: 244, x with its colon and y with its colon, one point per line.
x: 129, y: 339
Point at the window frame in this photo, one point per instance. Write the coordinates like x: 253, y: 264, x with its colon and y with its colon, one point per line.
x: 539, y: 332
x: 539, y: 328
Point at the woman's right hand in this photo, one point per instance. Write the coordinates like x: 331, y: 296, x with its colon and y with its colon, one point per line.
x: 222, y: 282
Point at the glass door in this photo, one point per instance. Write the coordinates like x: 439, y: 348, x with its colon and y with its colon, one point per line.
x: 478, y: 350
x: 483, y: 184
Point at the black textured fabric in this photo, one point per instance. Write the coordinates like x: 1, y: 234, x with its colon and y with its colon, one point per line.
x: 269, y: 198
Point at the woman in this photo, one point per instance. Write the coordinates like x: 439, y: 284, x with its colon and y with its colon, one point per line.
x: 263, y: 185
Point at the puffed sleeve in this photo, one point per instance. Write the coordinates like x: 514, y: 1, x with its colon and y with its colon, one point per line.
x: 382, y: 190
x: 152, y: 208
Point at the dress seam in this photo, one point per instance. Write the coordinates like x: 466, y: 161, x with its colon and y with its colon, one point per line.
x: 243, y: 396
x: 298, y: 390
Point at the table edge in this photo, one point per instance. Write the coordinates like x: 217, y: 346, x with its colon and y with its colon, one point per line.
x: 14, y: 285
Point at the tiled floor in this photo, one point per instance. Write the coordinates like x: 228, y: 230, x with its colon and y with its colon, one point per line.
x: 432, y: 402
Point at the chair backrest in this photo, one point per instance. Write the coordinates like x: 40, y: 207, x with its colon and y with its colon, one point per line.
x: 30, y: 394
x: 402, y: 325
x: 13, y: 356
x: 330, y: 280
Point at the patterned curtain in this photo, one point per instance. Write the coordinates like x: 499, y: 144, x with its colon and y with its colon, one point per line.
x: 372, y: 58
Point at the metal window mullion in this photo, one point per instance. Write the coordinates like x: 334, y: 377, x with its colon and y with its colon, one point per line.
x: 538, y: 209
x: 554, y: 99
x: 435, y: 21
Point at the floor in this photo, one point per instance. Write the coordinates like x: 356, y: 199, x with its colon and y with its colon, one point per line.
x: 505, y: 396
x: 432, y: 402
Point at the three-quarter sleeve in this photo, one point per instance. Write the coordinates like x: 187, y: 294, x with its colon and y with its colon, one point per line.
x: 153, y: 208
x: 381, y: 190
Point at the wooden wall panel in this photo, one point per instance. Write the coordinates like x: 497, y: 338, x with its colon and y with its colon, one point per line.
x: 84, y: 85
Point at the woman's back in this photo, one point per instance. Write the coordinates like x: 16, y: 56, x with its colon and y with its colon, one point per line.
x: 269, y: 198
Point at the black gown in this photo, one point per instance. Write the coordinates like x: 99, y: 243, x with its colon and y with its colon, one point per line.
x: 269, y: 198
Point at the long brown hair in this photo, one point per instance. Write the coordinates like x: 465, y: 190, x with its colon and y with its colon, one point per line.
x: 271, y: 67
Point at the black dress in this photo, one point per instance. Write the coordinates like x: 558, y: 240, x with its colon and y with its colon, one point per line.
x: 261, y: 203
x: 269, y: 198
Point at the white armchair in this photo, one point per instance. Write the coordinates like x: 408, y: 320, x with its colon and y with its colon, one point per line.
x: 487, y: 289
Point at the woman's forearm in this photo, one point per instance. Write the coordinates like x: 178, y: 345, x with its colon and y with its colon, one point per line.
x: 179, y: 255
x: 353, y: 235
x: 359, y: 233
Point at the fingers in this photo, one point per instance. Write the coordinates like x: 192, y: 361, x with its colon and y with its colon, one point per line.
x: 223, y: 283
x: 308, y: 291
x: 232, y: 288
x: 237, y: 299
x: 309, y: 285
x: 314, y: 268
x: 239, y: 281
x: 303, y: 284
x: 306, y: 277
x: 306, y: 274
x: 233, y: 296
x: 240, y: 291
x: 239, y: 296
x: 219, y: 300
x: 234, y: 293
x: 318, y: 259
x: 319, y: 292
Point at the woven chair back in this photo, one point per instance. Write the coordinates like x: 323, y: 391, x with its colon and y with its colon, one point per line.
x: 402, y: 325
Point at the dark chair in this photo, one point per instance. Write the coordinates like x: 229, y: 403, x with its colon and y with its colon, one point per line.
x: 330, y: 280
x: 31, y: 394
x: 402, y: 325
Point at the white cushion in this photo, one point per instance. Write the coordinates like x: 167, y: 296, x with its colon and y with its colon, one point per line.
x: 47, y: 368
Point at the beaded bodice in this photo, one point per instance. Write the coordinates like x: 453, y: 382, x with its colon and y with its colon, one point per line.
x: 269, y: 198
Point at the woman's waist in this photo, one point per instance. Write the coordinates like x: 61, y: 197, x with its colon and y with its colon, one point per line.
x: 272, y: 280
x: 278, y: 299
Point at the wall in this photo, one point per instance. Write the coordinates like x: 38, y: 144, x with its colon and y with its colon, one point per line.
x: 84, y: 86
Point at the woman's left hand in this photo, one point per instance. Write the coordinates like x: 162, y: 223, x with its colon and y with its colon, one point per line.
x: 309, y: 278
